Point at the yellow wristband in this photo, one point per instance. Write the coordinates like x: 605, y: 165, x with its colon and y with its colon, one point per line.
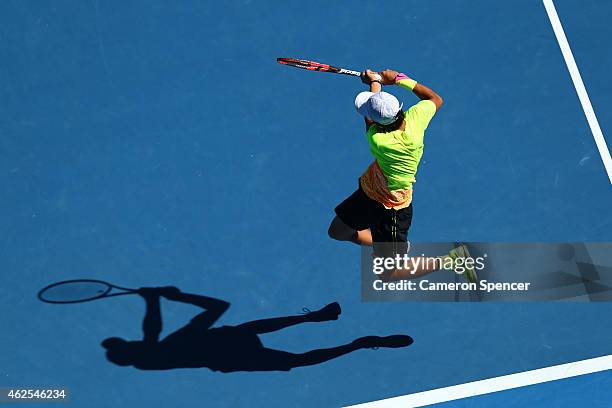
x: 405, y: 82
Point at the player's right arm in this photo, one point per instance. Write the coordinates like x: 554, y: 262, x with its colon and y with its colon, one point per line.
x: 214, y: 307
x: 391, y: 77
x: 425, y: 93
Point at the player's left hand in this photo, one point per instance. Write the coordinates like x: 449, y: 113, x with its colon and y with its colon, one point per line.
x: 388, y: 76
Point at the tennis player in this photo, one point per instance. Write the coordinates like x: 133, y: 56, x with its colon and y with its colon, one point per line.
x: 379, y: 213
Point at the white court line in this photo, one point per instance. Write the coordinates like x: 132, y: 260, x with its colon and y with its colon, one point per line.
x: 496, y: 384
x: 579, y: 85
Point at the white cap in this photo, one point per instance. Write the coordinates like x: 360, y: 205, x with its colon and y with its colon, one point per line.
x: 381, y: 107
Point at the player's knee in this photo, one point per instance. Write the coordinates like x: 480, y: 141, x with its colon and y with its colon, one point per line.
x: 339, y: 231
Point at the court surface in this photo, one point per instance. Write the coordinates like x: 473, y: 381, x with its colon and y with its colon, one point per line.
x: 150, y: 143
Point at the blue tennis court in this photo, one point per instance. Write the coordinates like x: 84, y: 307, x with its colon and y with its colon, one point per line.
x: 151, y: 143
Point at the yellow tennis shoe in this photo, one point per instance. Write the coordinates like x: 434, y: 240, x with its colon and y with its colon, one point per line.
x: 462, y: 252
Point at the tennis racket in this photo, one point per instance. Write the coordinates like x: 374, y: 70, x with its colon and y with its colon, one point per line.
x: 81, y: 290
x: 316, y: 66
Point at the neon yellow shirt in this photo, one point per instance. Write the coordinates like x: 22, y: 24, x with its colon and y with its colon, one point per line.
x: 397, y: 154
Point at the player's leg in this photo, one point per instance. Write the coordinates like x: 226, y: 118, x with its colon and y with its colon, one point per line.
x: 278, y: 360
x: 321, y: 355
x: 353, y: 218
x: 390, y: 235
x: 422, y: 265
x: 416, y: 267
x: 339, y: 231
x: 329, y: 312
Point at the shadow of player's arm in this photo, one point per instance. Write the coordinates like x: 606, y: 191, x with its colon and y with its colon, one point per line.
x: 214, y: 308
x: 152, y: 323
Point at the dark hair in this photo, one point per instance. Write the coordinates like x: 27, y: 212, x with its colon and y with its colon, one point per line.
x: 399, y: 119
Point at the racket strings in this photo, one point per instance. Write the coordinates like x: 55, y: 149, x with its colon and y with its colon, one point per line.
x: 74, y: 291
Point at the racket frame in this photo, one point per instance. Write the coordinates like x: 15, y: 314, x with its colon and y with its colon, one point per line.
x: 106, y: 294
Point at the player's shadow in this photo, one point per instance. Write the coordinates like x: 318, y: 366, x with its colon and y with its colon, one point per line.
x: 226, y: 348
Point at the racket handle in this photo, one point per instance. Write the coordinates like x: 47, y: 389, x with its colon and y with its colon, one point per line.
x: 350, y: 72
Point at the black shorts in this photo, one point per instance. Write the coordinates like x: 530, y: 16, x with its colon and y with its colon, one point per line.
x: 389, y: 227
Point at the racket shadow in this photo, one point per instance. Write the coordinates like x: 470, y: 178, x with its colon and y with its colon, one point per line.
x: 80, y: 290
